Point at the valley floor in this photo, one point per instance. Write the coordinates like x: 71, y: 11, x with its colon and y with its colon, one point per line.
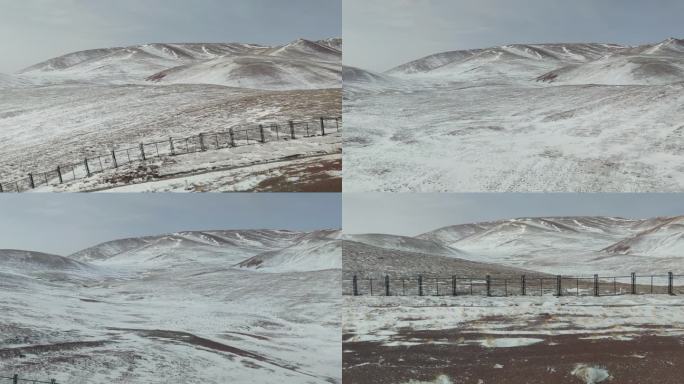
x: 186, y: 325
x: 470, y: 137
x: 444, y: 340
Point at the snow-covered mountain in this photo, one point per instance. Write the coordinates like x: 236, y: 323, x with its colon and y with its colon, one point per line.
x: 122, y: 65
x: 519, y: 118
x: 176, y: 305
x: 366, y: 260
x: 662, y: 239
x: 332, y: 42
x: 320, y: 250
x: 302, y: 64
x: 566, y: 245
x: 303, y: 49
x: 577, y: 63
x: 405, y: 243
x: 255, y: 72
x: 272, y: 250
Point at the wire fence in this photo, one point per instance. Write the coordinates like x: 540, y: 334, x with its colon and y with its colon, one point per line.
x: 16, y: 380
x: 173, y: 146
x: 523, y: 285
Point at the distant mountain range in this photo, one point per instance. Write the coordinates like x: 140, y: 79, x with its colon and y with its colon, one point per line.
x: 568, y: 245
x: 575, y: 63
x: 302, y: 64
x: 257, y: 250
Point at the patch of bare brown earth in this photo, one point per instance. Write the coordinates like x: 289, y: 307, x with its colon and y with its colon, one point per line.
x: 644, y: 359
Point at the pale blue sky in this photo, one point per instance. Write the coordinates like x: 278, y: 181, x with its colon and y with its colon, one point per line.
x: 381, y: 34
x: 32, y: 31
x: 66, y: 223
x: 415, y: 213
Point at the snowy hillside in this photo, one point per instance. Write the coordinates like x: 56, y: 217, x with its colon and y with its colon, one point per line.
x: 361, y: 80
x: 255, y: 72
x: 87, y: 103
x: 172, y: 306
x: 538, y: 117
x: 29, y: 263
x: 541, y: 53
x: 127, y: 64
x: 9, y: 81
x: 665, y: 239
x: 297, y: 65
x: 364, y: 260
x: 320, y: 250
x: 554, y: 245
x: 303, y: 49
x: 268, y: 250
x: 609, y: 64
x: 405, y: 243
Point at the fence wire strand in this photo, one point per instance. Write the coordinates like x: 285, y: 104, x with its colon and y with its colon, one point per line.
x: 174, y: 146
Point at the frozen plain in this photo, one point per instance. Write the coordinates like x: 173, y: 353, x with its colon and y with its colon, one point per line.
x: 539, y: 117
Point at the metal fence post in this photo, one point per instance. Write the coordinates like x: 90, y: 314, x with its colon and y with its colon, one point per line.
x: 488, y: 281
x: 522, y: 285
x: 142, y: 151
x: 420, y: 285
x: 292, y: 132
x: 453, y: 285
x: 633, y: 283
x: 261, y: 132
x: 15, y: 379
x: 1, y: 191
x: 116, y: 164
x: 87, y: 168
x: 596, y: 285
x: 337, y: 124
x: 322, y: 127
x: 31, y: 183
x: 670, y: 283
x: 173, y: 152
x: 558, y: 286
x: 59, y: 174
x: 201, y: 142
x: 232, y: 137
x: 355, y: 286
x: 387, y: 285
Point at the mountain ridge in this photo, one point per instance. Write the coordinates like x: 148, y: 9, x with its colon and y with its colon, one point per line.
x: 562, y: 63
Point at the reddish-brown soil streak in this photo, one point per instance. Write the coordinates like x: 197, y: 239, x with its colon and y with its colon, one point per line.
x: 313, y: 176
x: 643, y: 360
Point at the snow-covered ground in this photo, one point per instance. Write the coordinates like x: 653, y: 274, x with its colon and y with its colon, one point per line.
x: 448, y: 340
x: 88, y: 103
x: 550, y: 117
x: 298, y: 163
x: 570, y: 246
x: 176, y: 307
